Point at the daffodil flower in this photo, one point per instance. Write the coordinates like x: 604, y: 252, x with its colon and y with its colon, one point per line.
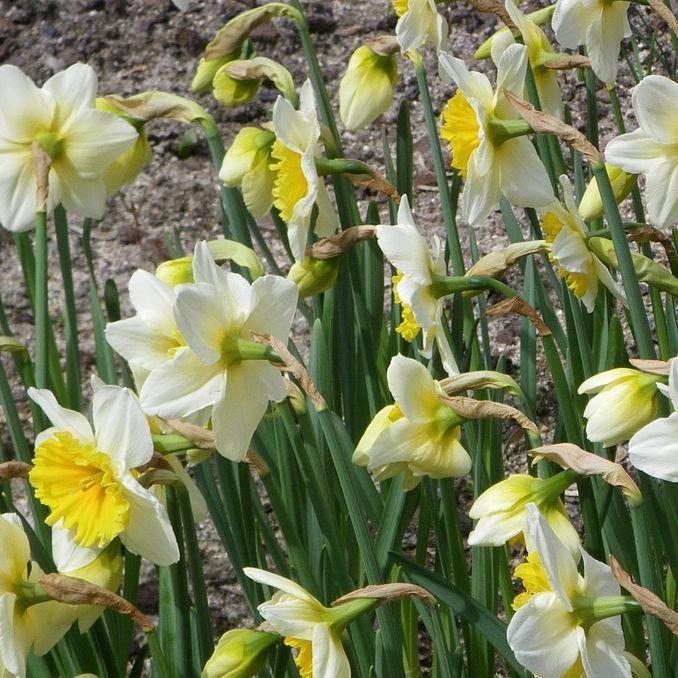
x: 485, y: 135
x: 419, y: 23
x: 601, y: 25
x: 625, y: 401
x: 418, y: 435
x: 539, y: 50
x: 557, y: 630
x: 565, y: 234
x: 313, y: 630
x: 297, y: 187
x: 501, y: 509
x: 246, y: 164
x: 151, y: 337
x: 25, y: 623
x: 85, y: 476
x: 81, y: 141
x: 222, y: 367
x: 407, y: 250
x: 652, y: 149
x: 654, y: 449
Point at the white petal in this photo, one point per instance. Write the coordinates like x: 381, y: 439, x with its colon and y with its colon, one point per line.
x: 122, y: 431
x: 413, y: 389
x: 232, y: 285
x: 634, y: 152
x: 182, y: 386
x: 654, y: 449
x: 237, y: 414
x: 606, y: 278
x: 524, y: 180
x: 327, y: 222
x: 149, y: 532
x: 280, y: 583
x: 542, y: 636
x: 598, y: 577
x: 661, y: 192
x: 17, y: 192
x: 599, y: 381
x: 68, y: 555
x: 137, y: 343
x: 63, y: 419
x: 673, y: 383
x: 510, y: 76
x: 74, y: 90
x: 471, y: 83
x: 274, y: 302
x: 481, y: 192
x: 603, y: 40
x: 407, y: 251
x: 81, y: 195
x: 570, y: 22
x: 559, y: 565
x: 24, y: 109
x: 602, y: 650
x: 154, y: 301
x: 14, y: 644
x: 655, y: 103
x: 329, y: 657
x: 15, y: 553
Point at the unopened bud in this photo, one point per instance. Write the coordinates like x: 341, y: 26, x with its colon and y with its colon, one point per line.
x: 207, y: 69
x: 240, y: 653
x: 175, y: 271
x: 591, y: 205
x: 313, y: 276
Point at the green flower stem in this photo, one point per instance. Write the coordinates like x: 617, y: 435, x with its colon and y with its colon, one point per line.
x: 639, y: 321
x: 446, y: 285
x: 651, y: 580
x: 159, y: 661
x: 41, y: 303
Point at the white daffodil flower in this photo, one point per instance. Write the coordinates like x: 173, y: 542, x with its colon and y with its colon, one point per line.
x: 24, y: 626
x: 420, y: 23
x: 247, y: 164
x: 485, y: 135
x: 555, y: 629
x: 501, y: 513
x: 538, y: 50
x: 407, y: 250
x: 654, y: 449
x: 307, y: 626
x: 565, y: 233
x: 223, y: 368
x: 151, y: 337
x: 81, y: 141
x: 85, y: 476
x: 297, y: 187
x: 601, y: 25
x: 418, y: 435
x: 652, y: 149
x: 625, y: 401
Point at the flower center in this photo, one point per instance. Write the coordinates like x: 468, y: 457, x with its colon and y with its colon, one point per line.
x: 77, y: 483
x: 51, y: 143
x: 534, y: 579
x: 408, y: 328
x: 400, y: 6
x: 460, y: 129
x: 290, y: 184
x: 303, y: 658
x: 181, y: 342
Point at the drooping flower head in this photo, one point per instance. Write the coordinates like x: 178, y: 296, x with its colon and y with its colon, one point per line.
x: 652, y: 149
x: 407, y: 250
x: 565, y: 233
x: 81, y: 141
x: 418, y: 435
x: 222, y: 367
x: 297, y: 186
x: 478, y: 123
x: 556, y: 630
x: 420, y: 24
x: 85, y: 476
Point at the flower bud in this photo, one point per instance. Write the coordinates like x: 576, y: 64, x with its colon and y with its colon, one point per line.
x: 625, y: 401
x: 366, y: 90
x: 314, y: 276
x: 591, y: 205
x: 175, y: 271
x: 240, y: 653
x: 207, y: 69
x: 233, y: 92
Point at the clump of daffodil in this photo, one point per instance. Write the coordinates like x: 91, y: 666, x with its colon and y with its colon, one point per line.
x: 240, y: 653
x: 125, y: 168
x: 313, y: 276
x: 81, y: 142
x: 566, y: 235
x: 419, y: 24
x: 413, y: 286
x: 487, y: 139
x: 366, y: 90
x: 312, y: 630
x: 539, y: 51
x: 626, y: 400
x: 29, y: 622
x: 500, y: 511
x: 297, y: 186
x: 566, y: 624
x: 247, y: 165
x: 86, y: 476
x: 418, y: 435
x: 223, y: 370
x: 591, y: 204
